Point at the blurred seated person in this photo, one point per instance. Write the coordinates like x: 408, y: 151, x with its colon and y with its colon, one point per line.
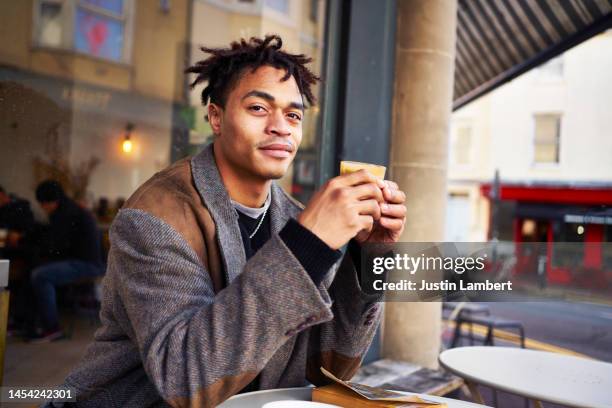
x: 72, y: 250
x: 103, y: 211
x: 16, y: 219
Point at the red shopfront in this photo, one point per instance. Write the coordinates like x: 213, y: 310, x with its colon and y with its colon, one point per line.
x: 547, y: 215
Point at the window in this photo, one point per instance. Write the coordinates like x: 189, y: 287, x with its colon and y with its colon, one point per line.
x: 552, y: 69
x: 99, y: 28
x: 50, y: 24
x: 462, y: 145
x: 314, y: 10
x: 568, y: 250
x: 607, y: 247
x: 282, y: 6
x: 546, y: 140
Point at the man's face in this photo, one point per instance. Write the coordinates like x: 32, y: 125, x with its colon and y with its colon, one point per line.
x: 260, y: 128
x: 49, y: 207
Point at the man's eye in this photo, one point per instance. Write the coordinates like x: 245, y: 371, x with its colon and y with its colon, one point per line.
x: 295, y: 116
x: 257, y: 108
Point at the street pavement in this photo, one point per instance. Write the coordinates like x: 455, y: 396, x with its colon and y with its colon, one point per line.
x: 585, y: 328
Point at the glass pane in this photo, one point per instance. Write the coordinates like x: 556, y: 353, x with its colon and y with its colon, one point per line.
x: 547, y: 128
x: 102, y: 129
x: 547, y: 139
x: 314, y: 10
x: 113, y: 6
x: 545, y: 153
x: 282, y: 6
x: 462, y: 145
x: 553, y: 68
x: 50, y: 28
x: 569, y: 245
x: 607, y: 248
x: 98, y: 35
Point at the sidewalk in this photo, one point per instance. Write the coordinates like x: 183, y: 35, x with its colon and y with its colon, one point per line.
x: 47, y: 364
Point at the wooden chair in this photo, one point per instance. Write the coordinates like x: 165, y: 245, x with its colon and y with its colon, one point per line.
x: 79, y: 291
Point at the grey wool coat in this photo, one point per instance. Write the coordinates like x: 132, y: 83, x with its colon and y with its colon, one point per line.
x: 188, y: 322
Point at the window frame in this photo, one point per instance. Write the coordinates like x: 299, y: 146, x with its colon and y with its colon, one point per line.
x: 288, y: 18
x: 286, y: 13
x: 469, y: 150
x: 68, y: 14
x: 313, y: 12
x: 460, y: 123
x: 534, y: 118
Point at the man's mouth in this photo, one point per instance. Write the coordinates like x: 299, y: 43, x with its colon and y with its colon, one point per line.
x: 277, y: 150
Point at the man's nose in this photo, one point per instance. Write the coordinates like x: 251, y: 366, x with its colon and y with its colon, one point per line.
x: 278, y: 125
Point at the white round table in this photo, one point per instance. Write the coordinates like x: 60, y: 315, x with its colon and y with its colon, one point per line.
x: 539, y: 375
x: 256, y: 399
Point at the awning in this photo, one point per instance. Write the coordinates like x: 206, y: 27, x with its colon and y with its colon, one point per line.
x: 497, y: 40
x: 87, y: 98
x: 552, y: 194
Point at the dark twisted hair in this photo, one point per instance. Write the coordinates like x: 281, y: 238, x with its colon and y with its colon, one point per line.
x: 226, y: 65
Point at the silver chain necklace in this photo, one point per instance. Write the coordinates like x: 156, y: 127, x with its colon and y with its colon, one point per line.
x: 259, y: 224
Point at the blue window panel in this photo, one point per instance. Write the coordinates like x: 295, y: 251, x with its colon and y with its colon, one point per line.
x: 281, y: 6
x: 98, y: 35
x: 114, y: 6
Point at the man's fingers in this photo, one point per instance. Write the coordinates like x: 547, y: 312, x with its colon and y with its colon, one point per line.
x: 392, y: 224
x: 394, y: 196
x: 367, y: 191
x: 393, y: 210
x: 360, y: 177
x: 369, y: 207
x: 366, y: 222
x: 392, y: 184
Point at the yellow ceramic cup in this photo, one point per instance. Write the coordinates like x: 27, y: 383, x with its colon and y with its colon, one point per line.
x: 347, y: 167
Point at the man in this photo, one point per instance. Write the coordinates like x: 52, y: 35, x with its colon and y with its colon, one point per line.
x: 218, y: 282
x: 16, y: 223
x: 16, y: 226
x: 16, y: 219
x: 72, y: 247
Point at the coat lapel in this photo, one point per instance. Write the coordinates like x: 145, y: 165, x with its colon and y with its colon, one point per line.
x: 281, y: 209
x: 215, y: 197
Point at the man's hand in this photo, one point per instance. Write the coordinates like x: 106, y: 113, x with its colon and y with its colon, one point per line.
x: 344, y: 206
x: 390, y: 226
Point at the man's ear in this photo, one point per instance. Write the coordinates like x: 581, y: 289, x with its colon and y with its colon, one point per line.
x: 215, y: 117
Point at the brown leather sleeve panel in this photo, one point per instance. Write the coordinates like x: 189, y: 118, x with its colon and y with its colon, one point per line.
x: 215, y: 394
x: 341, y: 366
x: 171, y: 196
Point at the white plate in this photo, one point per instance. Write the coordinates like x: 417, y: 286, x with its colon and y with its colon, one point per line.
x: 298, y: 404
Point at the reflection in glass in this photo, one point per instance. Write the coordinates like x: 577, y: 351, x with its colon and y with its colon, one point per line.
x: 98, y: 35
x: 112, y: 6
x: 567, y: 251
x: 50, y: 25
x: 66, y: 103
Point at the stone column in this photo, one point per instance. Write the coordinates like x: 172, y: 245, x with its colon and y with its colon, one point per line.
x: 424, y: 70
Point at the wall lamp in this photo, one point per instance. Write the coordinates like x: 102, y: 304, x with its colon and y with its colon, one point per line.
x: 127, y: 144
